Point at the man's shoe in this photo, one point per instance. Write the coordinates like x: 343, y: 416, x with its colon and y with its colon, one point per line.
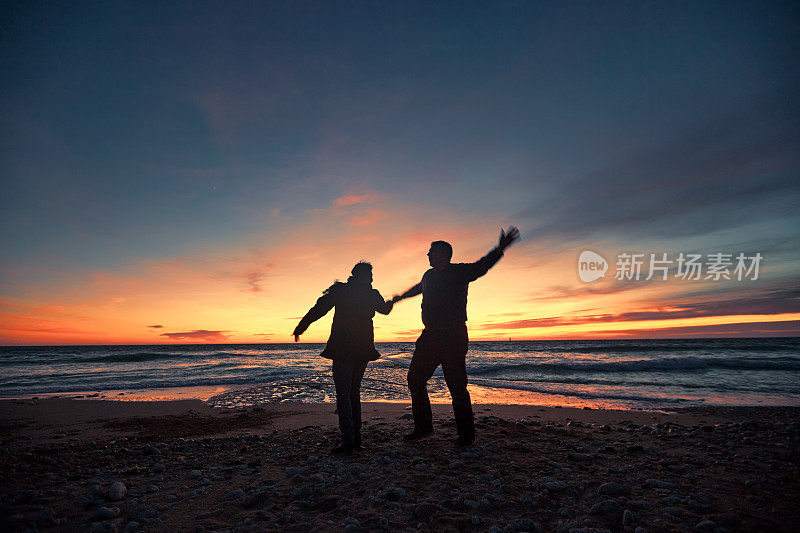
x: 465, y: 440
x: 342, y: 449
x: 418, y: 434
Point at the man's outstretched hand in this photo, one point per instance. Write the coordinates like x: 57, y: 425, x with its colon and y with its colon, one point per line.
x: 507, y: 238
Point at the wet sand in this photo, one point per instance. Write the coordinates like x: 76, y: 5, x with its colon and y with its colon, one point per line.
x: 94, y: 465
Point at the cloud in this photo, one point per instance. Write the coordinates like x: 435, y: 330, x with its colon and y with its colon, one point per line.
x: 755, y: 302
x: 783, y: 290
x: 528, y: 323
x: 769, y: 303
x: 55, y: 328
x: 198, y: 334
x: 560, y: 292
x: 156, y: 326
x: 353, y: 199
x: 368, y: 219
x: 740, y: 168
x: 253, y: 273
x: 253, y: 279
x: 748, y: 329
x: 408, y: 333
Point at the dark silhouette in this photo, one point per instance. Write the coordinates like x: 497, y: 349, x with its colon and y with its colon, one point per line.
x: 444, y: 339
x: 351, y: 345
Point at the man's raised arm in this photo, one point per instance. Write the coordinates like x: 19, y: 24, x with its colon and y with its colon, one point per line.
x: 482, y: 265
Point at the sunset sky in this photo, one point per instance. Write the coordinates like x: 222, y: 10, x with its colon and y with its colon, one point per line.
x: 180, y: 172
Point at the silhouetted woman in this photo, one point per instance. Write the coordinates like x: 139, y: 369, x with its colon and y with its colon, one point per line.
x: 351, y: 344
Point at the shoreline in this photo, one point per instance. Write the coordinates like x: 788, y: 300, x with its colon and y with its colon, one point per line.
x: 248, y: 395
x: 190, y: 467
x: 165, y: 394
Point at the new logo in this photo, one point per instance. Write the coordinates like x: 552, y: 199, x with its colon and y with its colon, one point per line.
x: 591, y: 266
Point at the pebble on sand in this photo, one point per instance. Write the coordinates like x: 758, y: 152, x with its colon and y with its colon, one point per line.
x: 117, y: 491
x: 628, y: 518
x: 658, y: 484
x: 105, y: 513
x: 235, y: 495
x: 555, y: 486
x: 613, y: 488
x: 393, y: 493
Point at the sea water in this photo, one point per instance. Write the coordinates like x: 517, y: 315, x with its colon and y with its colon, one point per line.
x: 604, y: 373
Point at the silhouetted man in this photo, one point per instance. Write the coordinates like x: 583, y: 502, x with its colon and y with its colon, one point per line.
x: 444, y: 338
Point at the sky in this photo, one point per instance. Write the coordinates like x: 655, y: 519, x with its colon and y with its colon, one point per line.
x: 189, y: 172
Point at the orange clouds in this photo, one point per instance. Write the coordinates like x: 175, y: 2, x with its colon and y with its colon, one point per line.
x: 353, y: 199
x: 253, y: 289
x: 23, y: 324
x: 368, y: 219
x: 198, y: 335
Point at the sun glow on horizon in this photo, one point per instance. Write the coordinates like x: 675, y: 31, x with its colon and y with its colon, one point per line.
x: 256, y: 294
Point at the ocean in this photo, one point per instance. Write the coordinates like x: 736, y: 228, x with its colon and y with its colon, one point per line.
x: 646, y: 374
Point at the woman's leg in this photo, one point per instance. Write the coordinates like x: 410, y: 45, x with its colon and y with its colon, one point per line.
x: 355, y: 399
x: 342, y: 380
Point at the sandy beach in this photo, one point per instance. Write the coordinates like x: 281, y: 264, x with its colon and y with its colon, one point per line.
x: 95, y: 465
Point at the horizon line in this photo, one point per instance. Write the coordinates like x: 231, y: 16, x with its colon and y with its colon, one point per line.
x: 717, y: 337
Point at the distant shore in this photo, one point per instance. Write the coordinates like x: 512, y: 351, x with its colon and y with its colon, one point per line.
x: 94, y: 465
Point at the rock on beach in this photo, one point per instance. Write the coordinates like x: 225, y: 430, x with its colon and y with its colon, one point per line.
x: 117, y: 491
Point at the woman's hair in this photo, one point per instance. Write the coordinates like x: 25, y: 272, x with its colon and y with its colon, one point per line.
x: 361, y: 270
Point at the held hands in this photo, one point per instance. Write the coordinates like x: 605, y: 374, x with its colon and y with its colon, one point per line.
x: 507, y: 238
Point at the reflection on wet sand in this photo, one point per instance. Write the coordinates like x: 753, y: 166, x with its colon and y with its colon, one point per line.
x: 389, y: 385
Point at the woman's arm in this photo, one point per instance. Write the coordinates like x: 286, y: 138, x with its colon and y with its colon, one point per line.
x: 320, y: 309
x: 382, y: 306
